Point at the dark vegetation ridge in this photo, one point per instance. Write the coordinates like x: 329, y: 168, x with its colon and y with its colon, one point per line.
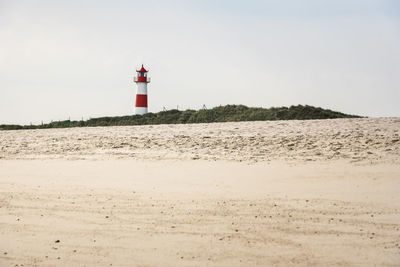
x: 217, y: 114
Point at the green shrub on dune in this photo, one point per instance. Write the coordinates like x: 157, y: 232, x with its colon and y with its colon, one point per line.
x: 218, y: 114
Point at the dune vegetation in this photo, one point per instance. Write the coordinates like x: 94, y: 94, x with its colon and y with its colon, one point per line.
x: 226, y: 113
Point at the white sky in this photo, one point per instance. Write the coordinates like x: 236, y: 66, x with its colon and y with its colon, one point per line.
x: 61, y: 59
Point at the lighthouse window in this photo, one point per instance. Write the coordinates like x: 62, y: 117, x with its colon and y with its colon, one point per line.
x: 142, y: 74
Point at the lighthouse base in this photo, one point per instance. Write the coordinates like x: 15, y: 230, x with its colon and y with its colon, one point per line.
x: 140, y: 110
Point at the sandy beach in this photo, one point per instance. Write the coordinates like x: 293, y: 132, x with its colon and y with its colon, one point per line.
x: 276, y: 193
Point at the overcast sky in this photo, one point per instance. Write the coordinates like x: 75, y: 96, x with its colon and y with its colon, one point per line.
x: 61, y: 59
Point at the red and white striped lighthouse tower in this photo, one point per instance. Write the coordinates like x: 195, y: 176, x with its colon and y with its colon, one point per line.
x: 141, y: 93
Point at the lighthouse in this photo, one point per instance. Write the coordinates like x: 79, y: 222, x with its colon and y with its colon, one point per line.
x: 141, y: 92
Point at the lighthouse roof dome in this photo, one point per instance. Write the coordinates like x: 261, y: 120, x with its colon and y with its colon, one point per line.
x: 142, y: 69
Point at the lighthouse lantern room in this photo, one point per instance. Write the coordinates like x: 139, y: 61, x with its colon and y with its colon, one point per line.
x: 141, y: 92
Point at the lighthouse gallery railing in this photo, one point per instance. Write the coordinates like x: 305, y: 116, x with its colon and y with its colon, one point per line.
x: 136, y: 79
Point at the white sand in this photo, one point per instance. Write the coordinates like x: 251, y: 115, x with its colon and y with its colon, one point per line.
x: 251, y: 193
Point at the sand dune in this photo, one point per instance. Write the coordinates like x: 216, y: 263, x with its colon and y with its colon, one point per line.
x: 283, y: 193
x: 374, y: 140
